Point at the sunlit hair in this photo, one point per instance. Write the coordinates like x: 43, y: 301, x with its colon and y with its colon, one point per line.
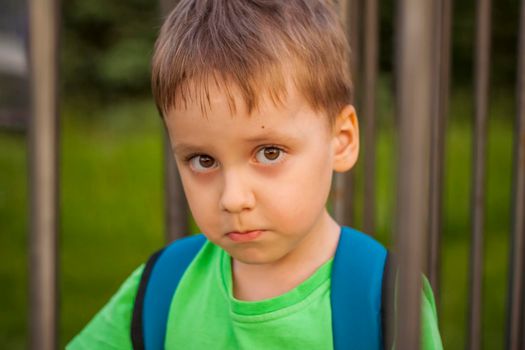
x: 255, y: 46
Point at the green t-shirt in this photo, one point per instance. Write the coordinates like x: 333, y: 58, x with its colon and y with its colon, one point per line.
x: 205, y: 315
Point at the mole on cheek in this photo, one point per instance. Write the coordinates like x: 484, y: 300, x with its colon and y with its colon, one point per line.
x: 262, y: 126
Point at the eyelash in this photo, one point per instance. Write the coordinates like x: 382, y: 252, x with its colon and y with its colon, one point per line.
x: 282, y: 153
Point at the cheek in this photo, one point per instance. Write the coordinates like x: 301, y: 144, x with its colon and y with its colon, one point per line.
x: 303, y: 191
x: 200, y: 197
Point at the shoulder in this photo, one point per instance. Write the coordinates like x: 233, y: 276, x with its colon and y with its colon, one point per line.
x: 356, y: 290
x: 431, y: 339
x: 162, y: 275
x: 109, y: 328
x: 358, y: 257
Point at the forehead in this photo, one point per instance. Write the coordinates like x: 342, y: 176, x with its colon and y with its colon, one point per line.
x: 217, y: 99
x: 292, y: 118
x: 211, y: 90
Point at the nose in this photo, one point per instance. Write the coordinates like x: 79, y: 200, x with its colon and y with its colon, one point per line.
x: 237, y: 194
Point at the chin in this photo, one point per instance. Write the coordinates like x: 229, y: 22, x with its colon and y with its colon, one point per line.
x: 252, y: 257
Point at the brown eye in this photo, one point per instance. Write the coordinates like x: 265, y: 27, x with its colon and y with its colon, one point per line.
x: 206, y: 161
x: 269, y: 155
x: 202, y: 163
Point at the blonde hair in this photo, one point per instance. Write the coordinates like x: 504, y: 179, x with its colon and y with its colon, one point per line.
x: 256, y: 45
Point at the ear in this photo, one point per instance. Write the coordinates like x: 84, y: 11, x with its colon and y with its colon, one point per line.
x: 345, y: 139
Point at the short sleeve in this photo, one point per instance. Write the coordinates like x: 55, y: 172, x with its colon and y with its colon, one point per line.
x: 110, y: 327
x: 430, y: 340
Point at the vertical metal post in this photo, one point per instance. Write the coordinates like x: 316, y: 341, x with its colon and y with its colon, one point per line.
x: 354, y: 32
x: 523, y: 325
x: 370, y: 65
x: 342, y: 196
x: 414, y: 73
x: 175, y: 201
x: 343, y: 188
x: 43, y: 134
x: 442, y: 30
x: 481, y: 73
x: 516, y: 302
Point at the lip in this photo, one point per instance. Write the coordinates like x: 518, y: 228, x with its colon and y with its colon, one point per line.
x: 245, y: 236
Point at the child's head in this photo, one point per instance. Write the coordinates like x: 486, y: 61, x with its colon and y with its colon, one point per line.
x: 255, y: 95
x: 254, y: 45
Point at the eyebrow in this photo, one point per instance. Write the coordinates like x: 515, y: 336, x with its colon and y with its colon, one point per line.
x: 183, y: 148
x: 270, y: 136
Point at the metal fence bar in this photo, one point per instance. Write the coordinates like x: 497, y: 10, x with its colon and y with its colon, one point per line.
x: 516, y: 304
x: 481, y: 73
x: 350, y: 15
x: 176, y: 207
x: 442, y: 32
x: 343, y: 186
x: 43, y: 150
x: 414, y: 73
x: 523, y: 326
x: 370, y: 68
x: 355, y: 64
x: 342, y: 195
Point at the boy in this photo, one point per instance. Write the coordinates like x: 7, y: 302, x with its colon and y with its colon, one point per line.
x: 255, y: 97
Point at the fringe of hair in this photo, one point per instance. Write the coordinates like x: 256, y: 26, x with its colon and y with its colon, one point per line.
x: 255, y: 46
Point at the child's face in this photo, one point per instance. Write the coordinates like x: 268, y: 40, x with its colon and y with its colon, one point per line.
x: 257, y: 185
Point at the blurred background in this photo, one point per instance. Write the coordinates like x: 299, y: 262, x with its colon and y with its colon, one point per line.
x: 111, y: 161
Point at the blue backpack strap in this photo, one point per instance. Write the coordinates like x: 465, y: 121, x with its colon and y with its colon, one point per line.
x: 137, y: 336
x: 357, y: 276
x: 160, y: 279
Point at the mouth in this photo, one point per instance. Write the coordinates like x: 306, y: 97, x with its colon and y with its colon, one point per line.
x: 245, y: 236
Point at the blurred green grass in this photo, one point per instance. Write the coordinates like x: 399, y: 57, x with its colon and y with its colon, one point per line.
x: 111, y: 212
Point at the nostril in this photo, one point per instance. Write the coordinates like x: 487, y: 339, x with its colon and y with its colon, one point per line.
x: 236, y: 198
